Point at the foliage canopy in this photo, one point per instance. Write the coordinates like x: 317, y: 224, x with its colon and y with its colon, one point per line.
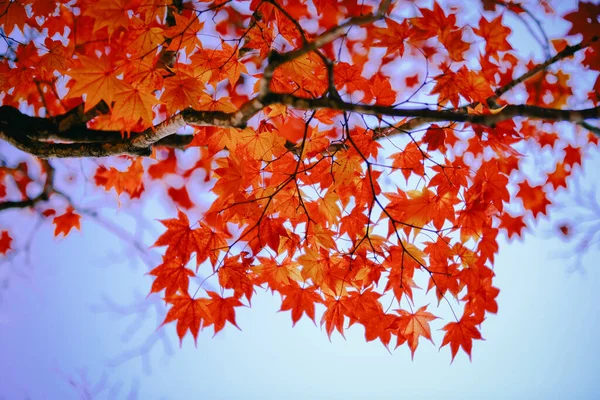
x: 355, y: 151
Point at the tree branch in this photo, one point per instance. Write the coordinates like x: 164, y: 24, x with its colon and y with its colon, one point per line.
x: 141, y: 144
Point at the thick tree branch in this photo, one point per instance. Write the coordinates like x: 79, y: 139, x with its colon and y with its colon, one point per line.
x: 14, y: 126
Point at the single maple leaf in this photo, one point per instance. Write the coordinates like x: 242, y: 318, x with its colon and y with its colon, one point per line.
x: 181, y: 197
x: 495, y: 34
x: 350, y: 76
x: 572, y: 156
x: 513, y: 225
x: 171, y: 275
x: 534, y: 198
x: 5, y: 242
x: 558, y: 178
x: 184, y: 34
x: 64, y: 223
x: 237, y: 276
x: 183, y: 91
x: 381, y: 90
x: 452, y: 41
x: 461, y: 334
x: 97, y: 80
x: 448, y: 87
x: 333, y: 317
x: 164, y: 166
x: 222, y: 309
x: 181, y: 240
x: 417, y: 210
x: 410, y: 160
x: 585, y: 20
x: 300, y: 301
x: 392, y: 37
x: 134, y: 103
x: 278, y: 274
x: 128, y: 181
x: 110, y: 14
x: 189, y: 313
x: 413, y: 325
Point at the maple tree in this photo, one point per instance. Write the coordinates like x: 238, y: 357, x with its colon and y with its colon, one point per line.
x: 354, y: 151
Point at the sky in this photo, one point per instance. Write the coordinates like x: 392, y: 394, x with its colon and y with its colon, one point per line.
x: 76, y: 323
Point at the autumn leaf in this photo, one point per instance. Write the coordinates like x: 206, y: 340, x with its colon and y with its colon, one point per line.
x: 461, y: 334
x: 134, y: 103
x: 558, y: 178
x: 184, y: 33
x: 67, y: 221
x: 191, y: 314
x: 495, y: 34
x: 513, y: 225
x: 333, y: 317
x: 128, y: 181
x: 300, y: 301
x: 381, y: 91
x: 278, y: 274
x: 534, y: 198
x: 171, y: 275
x: 236, y: 275
x: 412, y: 326
x: 222, y: 310
x: 5, y: 242
x: 182, y: 91
x: 181, y: 197
x: 181, y: 240
x: 97, y: 80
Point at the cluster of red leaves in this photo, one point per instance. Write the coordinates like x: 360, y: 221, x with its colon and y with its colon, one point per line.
x: 302, y: 202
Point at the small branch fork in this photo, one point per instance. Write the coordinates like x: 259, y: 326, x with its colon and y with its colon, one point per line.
x: 67, y: 135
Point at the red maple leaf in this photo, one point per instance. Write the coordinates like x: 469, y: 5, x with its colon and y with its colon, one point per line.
x: 300, y: 301
x: 461, y: 334
x: 412, y: 326
x: 534, y: 198
x: 189, y: 313
x: 5, y: 242
x: 64, y: 223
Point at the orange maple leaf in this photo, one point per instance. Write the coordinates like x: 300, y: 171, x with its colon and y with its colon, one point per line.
x: 513, y: 225
x: 181, y: 240
x: 461, y: 334
x: 96, y: 79
x: 222, y: 309
x: 189, y: 313
x: 333, y: 317
x: 300, y: 301
x: 171, y: 275
x: 64, y: 223
x: 495, y: 35
x: 413, y: 325
x: 534, y: 198
x: 134, y: 103
x: 128, y: 181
